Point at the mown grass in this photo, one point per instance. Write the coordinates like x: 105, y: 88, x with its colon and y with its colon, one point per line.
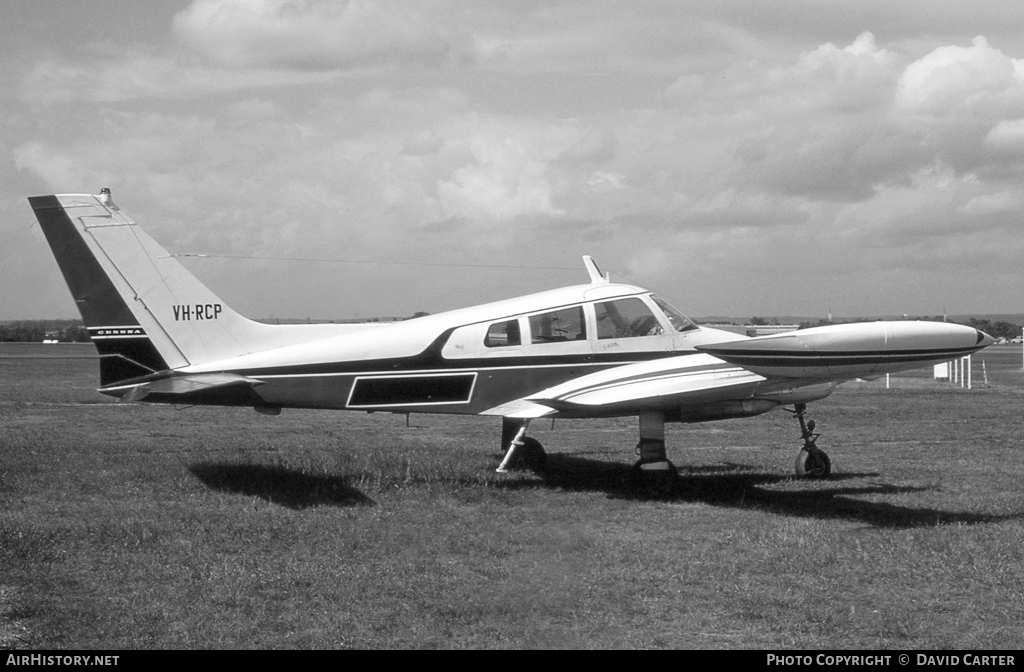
x: 134, y: 526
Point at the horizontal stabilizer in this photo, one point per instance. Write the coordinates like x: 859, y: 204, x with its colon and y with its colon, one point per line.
x: 186, y: 385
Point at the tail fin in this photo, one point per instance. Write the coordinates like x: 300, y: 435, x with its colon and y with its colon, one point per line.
x: 144, y: 311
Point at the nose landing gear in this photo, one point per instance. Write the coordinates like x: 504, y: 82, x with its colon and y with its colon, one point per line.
x: 811, y: 461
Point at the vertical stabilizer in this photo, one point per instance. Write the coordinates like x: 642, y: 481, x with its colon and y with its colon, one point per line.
x: 145, y: 312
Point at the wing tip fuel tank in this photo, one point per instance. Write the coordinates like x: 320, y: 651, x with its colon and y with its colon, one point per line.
x: 853, y: 350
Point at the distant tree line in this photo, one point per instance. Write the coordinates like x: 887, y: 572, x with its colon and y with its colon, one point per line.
x: 36, y: 331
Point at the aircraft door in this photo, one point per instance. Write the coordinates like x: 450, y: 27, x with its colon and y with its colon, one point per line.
x: 562, y: 332
x: 628, y: 325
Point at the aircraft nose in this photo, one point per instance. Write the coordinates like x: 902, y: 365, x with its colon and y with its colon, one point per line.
x: 984, y: 340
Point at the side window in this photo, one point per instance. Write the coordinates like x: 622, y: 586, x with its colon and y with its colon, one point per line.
x: 559, y: 325
x: 626, y: 318
x: 502, y: 334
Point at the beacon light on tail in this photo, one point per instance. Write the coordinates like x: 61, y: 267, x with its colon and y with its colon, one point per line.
x: 599, y: 349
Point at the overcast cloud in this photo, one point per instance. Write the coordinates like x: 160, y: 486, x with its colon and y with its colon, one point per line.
x: 744, y: 158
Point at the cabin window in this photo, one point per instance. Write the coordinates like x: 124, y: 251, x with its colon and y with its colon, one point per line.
x: 558, y: 325
x: 679, y: 321
x: 626, y: 318
x: 502, y: 334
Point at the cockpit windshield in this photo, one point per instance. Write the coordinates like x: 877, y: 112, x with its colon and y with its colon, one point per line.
x: 679, y: 321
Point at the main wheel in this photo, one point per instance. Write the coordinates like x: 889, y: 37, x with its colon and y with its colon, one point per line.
x: 656, y: 479
x: 529, y: 455
x: 813, y: 464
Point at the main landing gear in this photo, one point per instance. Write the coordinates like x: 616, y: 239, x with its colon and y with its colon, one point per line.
x: 521, y: 451
x: 811, y: 461
x: 653, y: 471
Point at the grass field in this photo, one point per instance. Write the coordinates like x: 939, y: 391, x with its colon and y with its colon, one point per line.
x: 138, y: 526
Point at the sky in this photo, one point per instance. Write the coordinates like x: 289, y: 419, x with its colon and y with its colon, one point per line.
x: 339, y: 159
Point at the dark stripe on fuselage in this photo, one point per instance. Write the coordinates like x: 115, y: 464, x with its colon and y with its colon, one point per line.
x: 432, y: 359
x: 493, y: 386
x: 795, y: 358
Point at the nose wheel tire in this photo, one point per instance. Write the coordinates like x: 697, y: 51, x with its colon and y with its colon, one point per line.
x: 813, y: 464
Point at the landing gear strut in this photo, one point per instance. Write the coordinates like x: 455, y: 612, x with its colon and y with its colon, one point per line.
x: 654, y: 472
x: 811, y: 461
x: 522, y: 452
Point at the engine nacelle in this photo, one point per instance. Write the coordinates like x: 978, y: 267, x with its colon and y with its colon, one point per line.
x: 845, y: 351
x: 726, y: 410
x: 801, y: 395
x: 748, y: 408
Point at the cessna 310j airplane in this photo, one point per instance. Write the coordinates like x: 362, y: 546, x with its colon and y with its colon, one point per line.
x: 596, y: 350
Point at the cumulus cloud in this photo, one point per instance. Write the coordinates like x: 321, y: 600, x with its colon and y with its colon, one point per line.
x: 1007, y: 135
x: 132, y: 75
x: 319, y: 34
x: 952, y: 78
x: 854, y: 77
x: 506, y: 176
x: 311, y: 128
x: 989, y: 204
x: 962, y: 105
x: 54, y: 167
x: 841, y: 124
x: 819, y: 126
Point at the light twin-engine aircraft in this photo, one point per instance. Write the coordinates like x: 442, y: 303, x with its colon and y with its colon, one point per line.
x: 596, y: 350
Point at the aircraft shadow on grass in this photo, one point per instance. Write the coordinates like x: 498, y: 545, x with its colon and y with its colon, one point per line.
x: 727, y: 485
x: 742, y: 486
x: 281, y: 485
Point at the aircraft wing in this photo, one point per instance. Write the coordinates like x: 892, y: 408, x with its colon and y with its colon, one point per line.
x: 751, y: 376
x: 693, y: 381
x: 671, y: 380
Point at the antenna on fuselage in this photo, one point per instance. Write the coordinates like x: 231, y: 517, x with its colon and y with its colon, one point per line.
x: 596, y: 276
